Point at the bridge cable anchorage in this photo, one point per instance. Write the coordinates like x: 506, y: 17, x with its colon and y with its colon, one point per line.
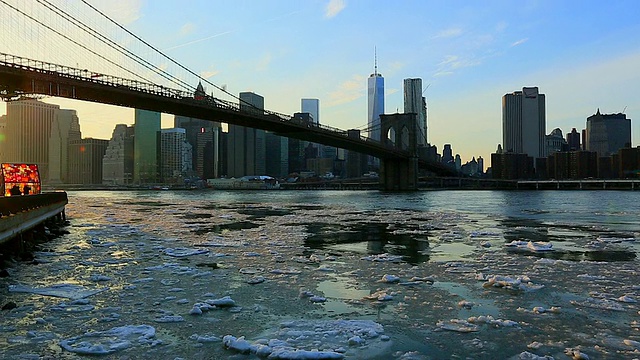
x: 112, y: 44
x: 73, y: 41
x: 171, y: 59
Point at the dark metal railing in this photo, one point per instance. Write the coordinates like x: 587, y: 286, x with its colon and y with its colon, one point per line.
x: 16, y: 204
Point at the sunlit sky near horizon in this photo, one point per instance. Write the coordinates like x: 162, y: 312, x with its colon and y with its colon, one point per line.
x: 583, y: 55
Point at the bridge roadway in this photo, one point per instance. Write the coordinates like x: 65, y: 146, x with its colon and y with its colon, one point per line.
x: 21, y: 77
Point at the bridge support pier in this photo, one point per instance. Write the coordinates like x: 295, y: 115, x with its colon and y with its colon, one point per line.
x: 399, y: 175
x: 399, y: 131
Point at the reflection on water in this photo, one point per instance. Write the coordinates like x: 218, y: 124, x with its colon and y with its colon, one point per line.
x: 369, y: 238
x: 240, y: 225
x: 596, y: 255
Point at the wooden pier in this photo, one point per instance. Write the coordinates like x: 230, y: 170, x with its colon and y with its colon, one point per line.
x: 19, y: 214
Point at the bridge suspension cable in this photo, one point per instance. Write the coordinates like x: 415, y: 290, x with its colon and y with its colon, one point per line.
x: 112, y: 44
x: 167, y: 56
x: 72, y: 40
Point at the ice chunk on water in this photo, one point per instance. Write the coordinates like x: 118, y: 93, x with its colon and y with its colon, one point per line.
x: 69, y: 291
x: 317, y: 340
x: 386, y: 278
x: 110, y: 341
x: 183, y: 252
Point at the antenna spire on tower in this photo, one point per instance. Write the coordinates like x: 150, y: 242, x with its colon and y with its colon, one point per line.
x: 375, y: 60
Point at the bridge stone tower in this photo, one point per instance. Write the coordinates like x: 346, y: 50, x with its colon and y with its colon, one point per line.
x: 399, y: 131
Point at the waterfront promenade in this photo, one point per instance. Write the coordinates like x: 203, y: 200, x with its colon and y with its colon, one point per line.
x: 22, y: 213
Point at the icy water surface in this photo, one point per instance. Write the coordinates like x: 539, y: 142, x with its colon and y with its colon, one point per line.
x: 331, y: 275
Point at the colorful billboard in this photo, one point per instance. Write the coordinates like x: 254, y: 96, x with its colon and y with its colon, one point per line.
x: 19, y: 179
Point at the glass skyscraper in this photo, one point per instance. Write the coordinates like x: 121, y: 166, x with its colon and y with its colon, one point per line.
x: 524, y: 122
x: 145, y: 158
x: 375, y: 85
x: 414, y: 102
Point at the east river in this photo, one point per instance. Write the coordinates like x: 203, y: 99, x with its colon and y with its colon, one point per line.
x: 331, y: 275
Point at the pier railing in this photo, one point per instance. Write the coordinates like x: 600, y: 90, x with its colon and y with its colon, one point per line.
x: 17, y: 204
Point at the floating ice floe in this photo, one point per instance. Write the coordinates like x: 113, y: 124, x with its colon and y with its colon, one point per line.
x: 169, y: 319
x: 313, y: 340
x: 525, y: 355
x: 602, y: 304
x: 69, y: 291
x: 205, y: 338
x: 383, y: 258
x: 465, y: 304
x: 221, y: 302
x: 386, y: 278
x: 615, y: 239
x: 183, y: 252
x: 541, y: 310
x: 250, y: 271
x: 576, y: 354
x: 626, y: 299
x: 458, y: 325
x: 33, y: 337
x: 475, y: 234
x: 256, y: 280
x: 98, y: 278
x: 289, y: 271
x: 110, y: 341
x: 488, y: 319
x: 522, y: 282
x: 80, y: 305
x: 380, y: 295
x: 530, y: 245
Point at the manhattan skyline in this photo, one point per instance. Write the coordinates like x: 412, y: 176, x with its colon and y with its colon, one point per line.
x: 583, y: 56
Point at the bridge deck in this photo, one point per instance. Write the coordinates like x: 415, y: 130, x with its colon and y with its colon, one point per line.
x: 21, y: 76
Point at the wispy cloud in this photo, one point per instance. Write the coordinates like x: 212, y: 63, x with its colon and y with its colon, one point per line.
x: 198, y: 40
x: 449, y: 33
x: 123, y: 11
x: 209, y: 73
x: 520, y: 42
x: 450, y: 63
x: 187, y: 29
x: 334, y: 7
x: 348, y: 91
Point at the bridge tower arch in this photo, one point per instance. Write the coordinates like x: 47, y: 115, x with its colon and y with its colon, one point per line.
x: 399, y: 174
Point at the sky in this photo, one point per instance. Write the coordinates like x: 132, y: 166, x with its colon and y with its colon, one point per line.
x: 583, y: 55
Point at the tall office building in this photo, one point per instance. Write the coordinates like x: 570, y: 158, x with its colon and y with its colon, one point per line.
x: 447, y: 155
x: 278, y: 159
x: 145, y: 153
x: 311, y: 106
x: 64, y: 129
x: 524, y: 122
x: 375, y: 101
x: 117, y: 164
x: 28, y: 131
x: 175, y: 155
x: 207, y: 152
x: 573, y: 140
x: 296, y: 153
x: 204, y: 138
x: 85, y: 160
x: 608, y: 133
x: 555, y: 142
x: 414, y: 102
x: 247, y: 146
